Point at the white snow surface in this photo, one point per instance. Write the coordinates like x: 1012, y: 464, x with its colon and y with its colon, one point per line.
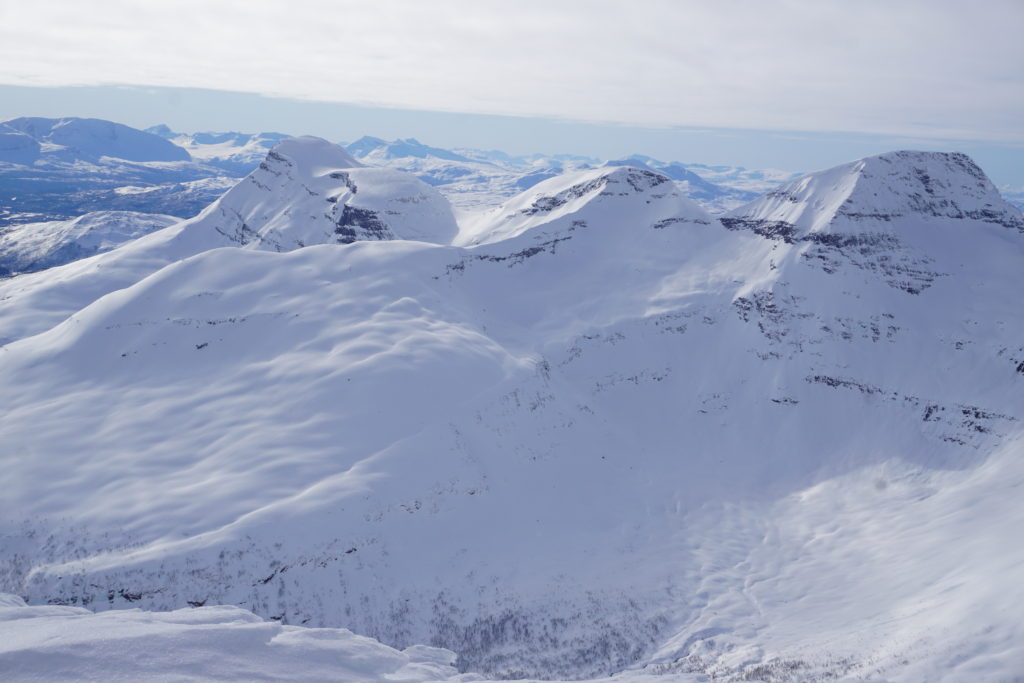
x: 217, y: 643
x: 603, y: 433
x: 223, y: 643
x: 35, y: 246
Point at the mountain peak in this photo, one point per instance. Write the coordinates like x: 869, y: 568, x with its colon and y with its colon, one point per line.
x: 94, y: 138
x: 628, y: 193
x: 372, y: 148
x: 310, y: 191
x: 312, y: 156
x: 163, y: 130
x: 872, y: 192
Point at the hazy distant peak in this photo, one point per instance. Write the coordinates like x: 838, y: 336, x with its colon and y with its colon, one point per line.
x: 94, y: 138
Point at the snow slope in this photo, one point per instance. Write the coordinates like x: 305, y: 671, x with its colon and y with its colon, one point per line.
x: 37, y: 246
x: 605, y: 433
x: 208, y: 643
x: 215, y: 643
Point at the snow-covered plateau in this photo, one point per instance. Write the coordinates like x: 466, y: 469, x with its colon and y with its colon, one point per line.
x: 592, y: 432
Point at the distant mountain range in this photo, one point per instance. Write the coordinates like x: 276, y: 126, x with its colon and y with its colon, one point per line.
x: 58, y: 169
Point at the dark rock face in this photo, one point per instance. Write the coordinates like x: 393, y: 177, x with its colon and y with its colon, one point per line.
x: 356, y: 224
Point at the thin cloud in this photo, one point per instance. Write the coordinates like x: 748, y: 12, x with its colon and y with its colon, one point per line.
x: 923, y: 68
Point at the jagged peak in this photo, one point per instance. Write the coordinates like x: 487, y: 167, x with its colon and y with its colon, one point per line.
x: 871, y: 193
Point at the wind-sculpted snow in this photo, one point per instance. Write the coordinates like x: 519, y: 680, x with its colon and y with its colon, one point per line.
x: 212, y: 643
x: 612, y: 434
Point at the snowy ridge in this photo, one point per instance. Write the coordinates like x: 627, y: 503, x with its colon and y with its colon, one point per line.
x: 611, y: 194
x: 606, y: 434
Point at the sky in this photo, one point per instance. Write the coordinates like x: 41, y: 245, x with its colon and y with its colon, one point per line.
x: 806, y: 76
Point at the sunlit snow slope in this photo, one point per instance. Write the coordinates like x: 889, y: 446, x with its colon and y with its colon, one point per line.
x: 36, y: 246
x: 605, y: 432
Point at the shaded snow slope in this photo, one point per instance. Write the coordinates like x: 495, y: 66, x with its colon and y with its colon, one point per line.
x: 36, y: 246
x: 610, y: 434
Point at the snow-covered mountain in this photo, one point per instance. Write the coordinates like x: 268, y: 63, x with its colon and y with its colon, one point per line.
x: 58, y: 169
x: 716, y: 198
x: 368, y: 147
x: 470, y: 181
x: 475, y: 179
x: 593, y: 429
x: 35, y: 246
x: 236, y: 153
x: 75, y: 139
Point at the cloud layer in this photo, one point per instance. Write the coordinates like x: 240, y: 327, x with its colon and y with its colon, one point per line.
x: 937, y: 68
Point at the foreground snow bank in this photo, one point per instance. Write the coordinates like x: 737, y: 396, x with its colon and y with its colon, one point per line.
x: 54, y: 643
x: 216, y: 643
